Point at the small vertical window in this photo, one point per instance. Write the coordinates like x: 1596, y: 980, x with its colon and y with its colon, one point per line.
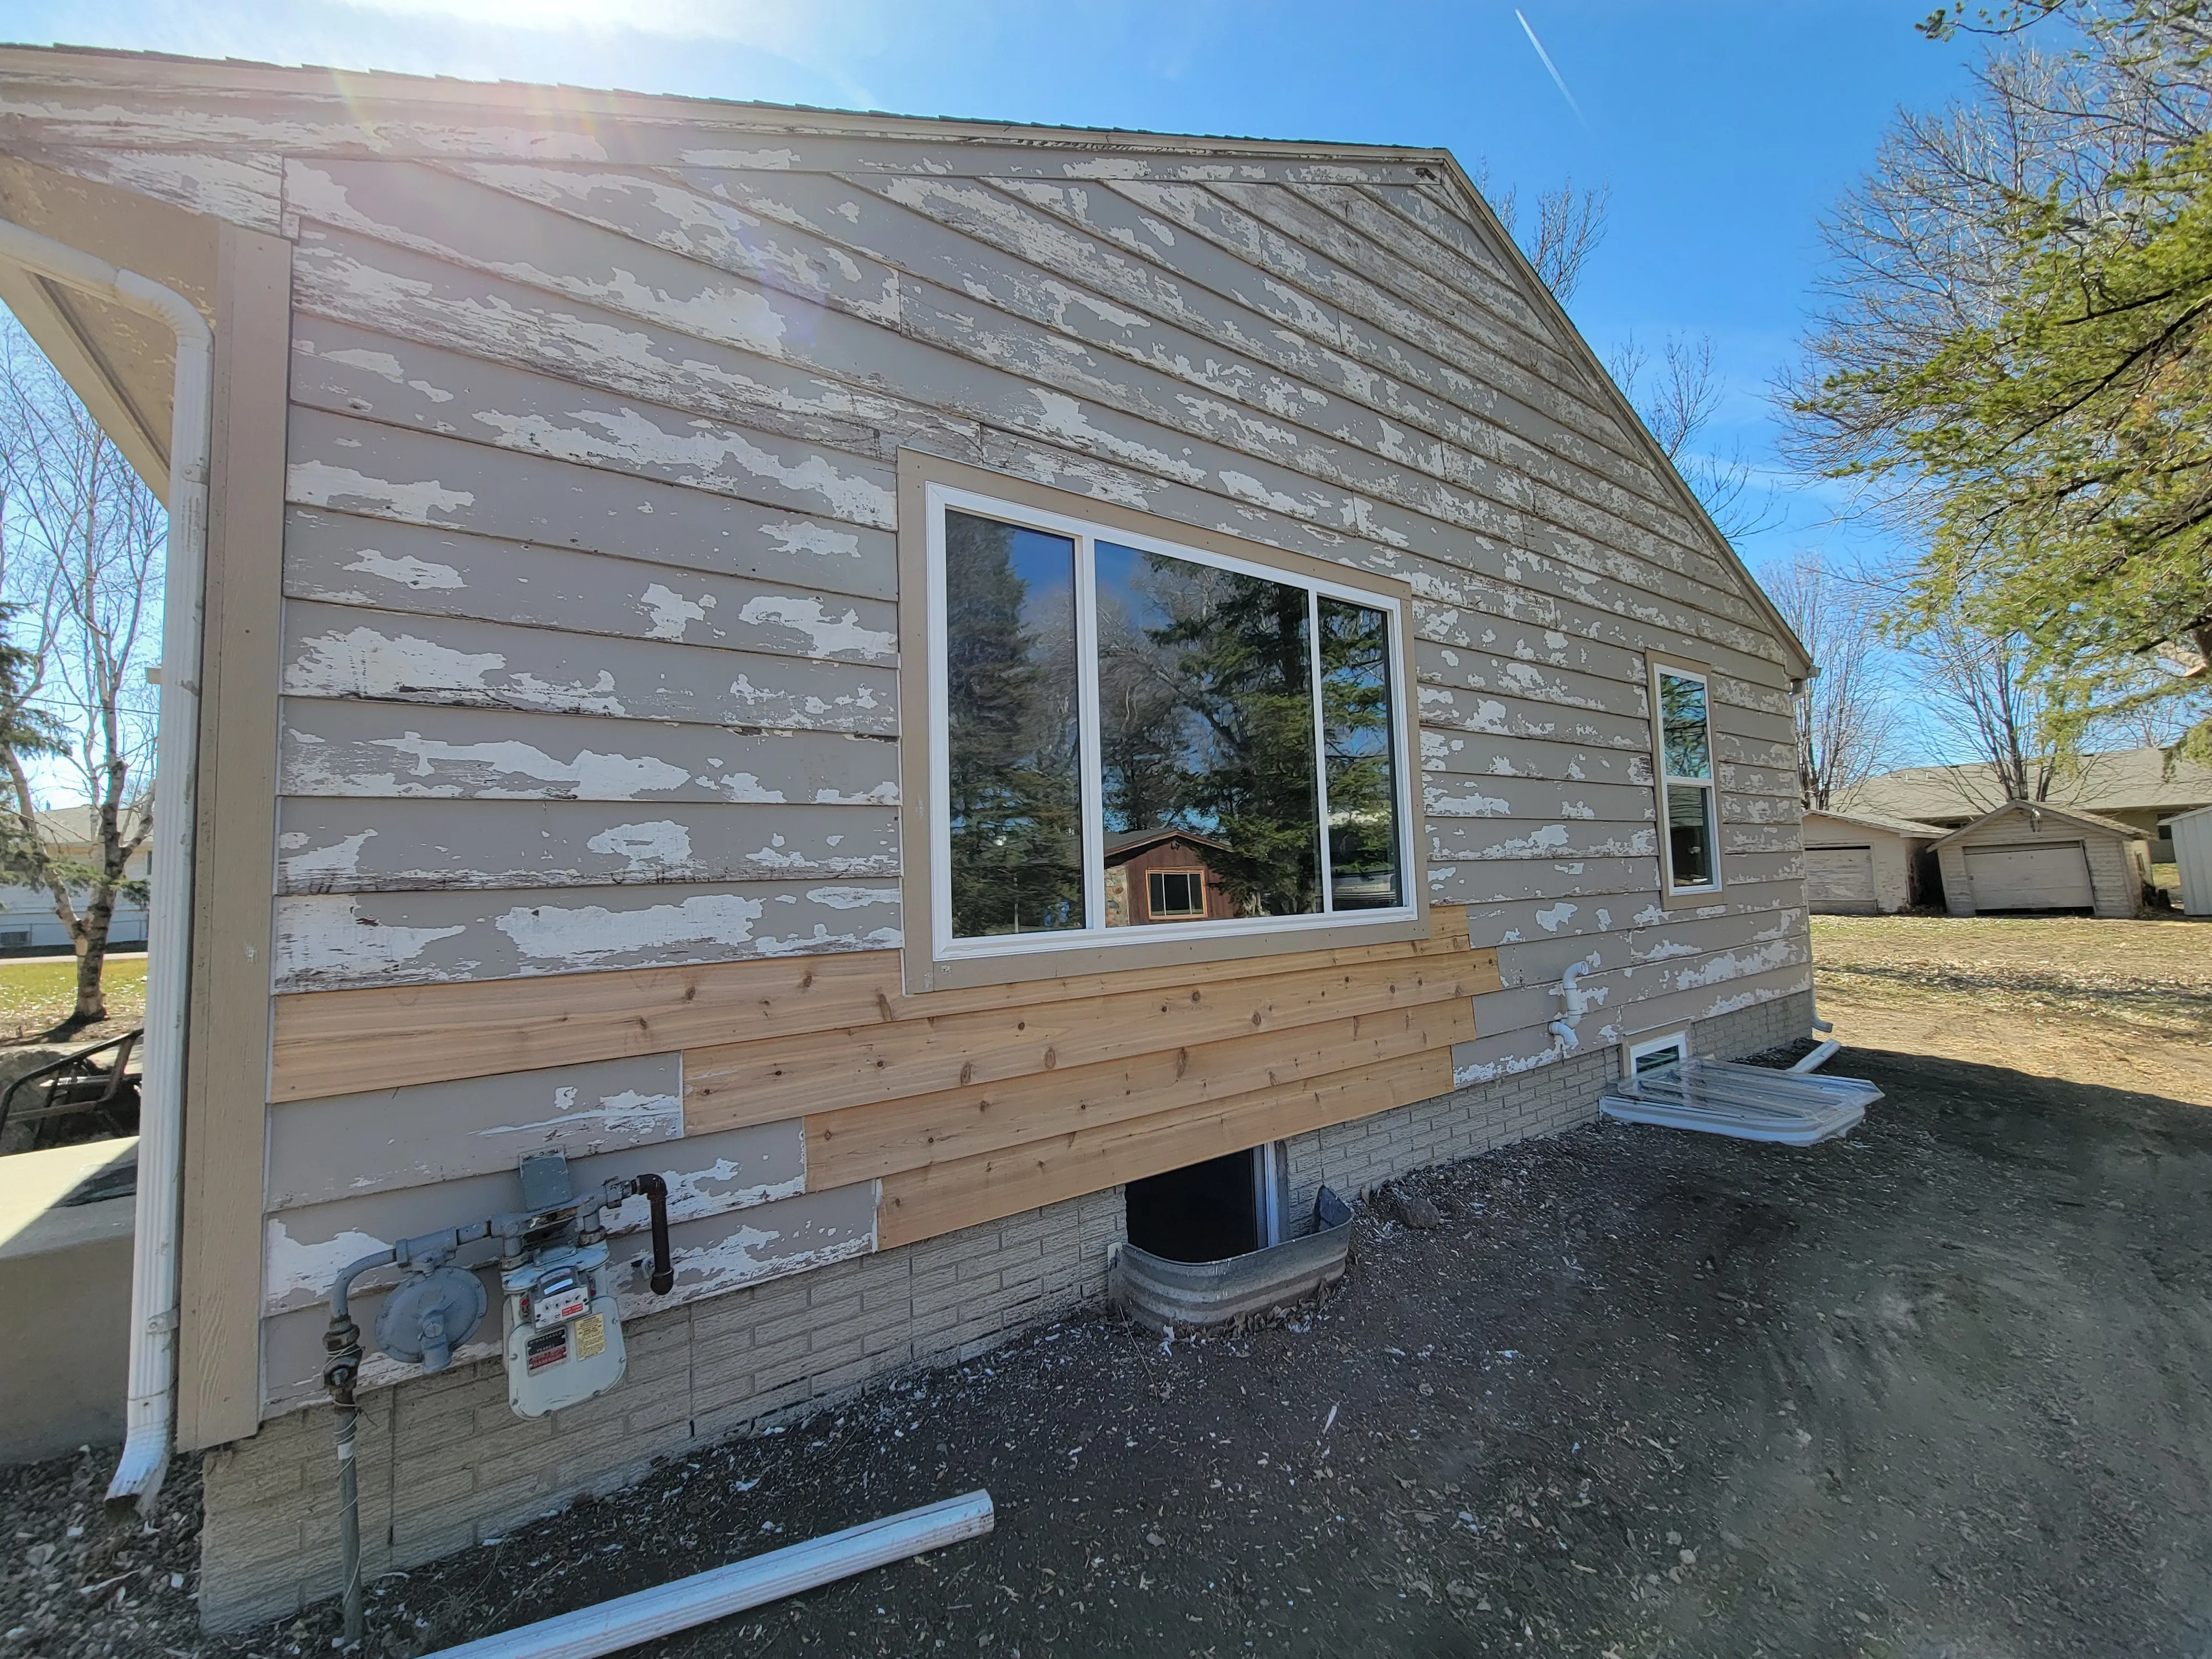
x: 1688, y: 810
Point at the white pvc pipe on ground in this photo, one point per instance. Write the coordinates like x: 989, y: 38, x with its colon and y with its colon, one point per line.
x: 628, y: 1619
x: 1819, y: 1057
x: 150, y: 1412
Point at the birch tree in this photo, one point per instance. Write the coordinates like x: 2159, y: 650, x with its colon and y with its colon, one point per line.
x: 83, y: 541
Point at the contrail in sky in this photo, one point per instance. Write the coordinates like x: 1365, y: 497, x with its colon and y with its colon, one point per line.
x: 1557, y: 80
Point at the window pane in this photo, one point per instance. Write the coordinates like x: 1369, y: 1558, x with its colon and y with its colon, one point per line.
x: 1016, y: 830
x: 1690, y: 834
x: 1682, y: 709
x: 1206, y: 703
x: 1363, y: 787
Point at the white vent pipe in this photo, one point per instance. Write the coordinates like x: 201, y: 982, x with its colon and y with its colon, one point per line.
x: 150, y: 1413
x: 628, y: 1619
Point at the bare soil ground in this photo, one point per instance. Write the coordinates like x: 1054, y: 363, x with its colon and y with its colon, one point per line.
x: 2123, y: 1004
x: 1936, y: 1390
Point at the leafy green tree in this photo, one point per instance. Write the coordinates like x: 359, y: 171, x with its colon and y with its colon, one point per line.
x: 2020, y: 360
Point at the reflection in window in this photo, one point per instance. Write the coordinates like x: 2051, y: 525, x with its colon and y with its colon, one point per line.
x: 1177, y: 892
x: 1012, y: 749
x: 1358, y: 745
x: 1685, y: 749
x: 1206, y: 720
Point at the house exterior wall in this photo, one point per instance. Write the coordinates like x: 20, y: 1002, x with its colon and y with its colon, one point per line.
x: 588, y: 778
x: 2119, y: 868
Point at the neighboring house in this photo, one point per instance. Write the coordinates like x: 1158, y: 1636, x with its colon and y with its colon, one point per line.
x: 2192, y: 853
x: 29, y: 923
x: 674, y: 563
x: 2030, y: 856
x: 2132, y: 785
x: 1859, y: 864
x: 1162, y: 875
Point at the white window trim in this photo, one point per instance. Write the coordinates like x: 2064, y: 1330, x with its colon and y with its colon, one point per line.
x: 1086, y: 534
x: 1633, y: 1051
x: 1663, y: 779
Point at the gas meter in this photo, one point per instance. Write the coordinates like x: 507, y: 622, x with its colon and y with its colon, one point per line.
x: 562, y: 1321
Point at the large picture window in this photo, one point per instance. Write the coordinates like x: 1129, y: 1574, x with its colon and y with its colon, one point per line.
x: 1682, y: 757
x: 1098, y: 696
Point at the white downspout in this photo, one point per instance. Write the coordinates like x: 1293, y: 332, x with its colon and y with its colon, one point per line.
x: 150, y: 1413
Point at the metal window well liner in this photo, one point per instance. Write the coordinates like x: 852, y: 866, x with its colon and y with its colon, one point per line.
x: 1751, y: 1102
x: 1193, y: 1295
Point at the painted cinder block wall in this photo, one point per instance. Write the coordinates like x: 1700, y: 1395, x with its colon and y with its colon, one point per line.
x: 585, y: 657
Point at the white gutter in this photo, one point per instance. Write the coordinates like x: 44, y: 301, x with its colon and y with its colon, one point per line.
x: 628, y: 1619
x: 150, y: 1413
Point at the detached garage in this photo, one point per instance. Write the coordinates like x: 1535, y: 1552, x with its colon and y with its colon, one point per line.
x: 1859, y: 864
x: 2032, y: 856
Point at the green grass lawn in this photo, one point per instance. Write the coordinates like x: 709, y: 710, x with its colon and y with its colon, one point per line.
x: 37, y: 992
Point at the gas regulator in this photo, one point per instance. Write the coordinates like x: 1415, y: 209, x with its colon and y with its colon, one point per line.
x: 561, y: 1321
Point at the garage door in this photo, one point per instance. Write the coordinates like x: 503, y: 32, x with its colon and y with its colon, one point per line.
x: 1839, y: 878
x: 2053, y: 877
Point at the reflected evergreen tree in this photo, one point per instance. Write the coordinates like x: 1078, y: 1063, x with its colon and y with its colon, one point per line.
x: 1363, y: 798
x: 1016, y: 828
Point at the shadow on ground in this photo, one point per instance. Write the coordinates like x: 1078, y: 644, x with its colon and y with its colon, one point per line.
x: 1935, y: 1390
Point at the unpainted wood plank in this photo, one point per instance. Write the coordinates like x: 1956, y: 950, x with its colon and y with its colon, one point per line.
x: 868, y: 1141
x: 829, y: 1071
x: 325, y: 1041
x: 944, y: 1198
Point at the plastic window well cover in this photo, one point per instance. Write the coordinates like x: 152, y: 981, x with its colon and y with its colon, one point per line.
x: 1750, y: 1102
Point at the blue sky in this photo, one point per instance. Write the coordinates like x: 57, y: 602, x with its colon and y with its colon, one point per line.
x: 1724, y: 128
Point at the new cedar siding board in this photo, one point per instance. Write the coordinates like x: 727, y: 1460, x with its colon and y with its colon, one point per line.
x: 589, y: 573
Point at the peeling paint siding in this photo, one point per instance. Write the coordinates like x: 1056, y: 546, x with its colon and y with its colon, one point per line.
x: 351, y: 1145
x: 346, y: 282
x: 714, y: 1255
x: 343, y: 559
x: 327, y: 941
x: 1505, y: 881
x: 1456, y: 754
x: 244, y: 189
x: 1745, y: 909
x: 1162, y: 319
x: 1473, y: 711
x: 1488, y: 1058
x: 341, y: 651
x: 537, y: 415
x: 953, y: 328
x: 528, y: 498
x: 1448, y: 226
x: 351, y: 845
x: 360, y: 748
x: 1520, y: 798
x: 1460, y: 840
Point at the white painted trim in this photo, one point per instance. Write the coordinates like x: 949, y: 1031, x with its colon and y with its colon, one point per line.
x: 1635, y: 1048
x: 1660, y: 667
x: 944, y: 946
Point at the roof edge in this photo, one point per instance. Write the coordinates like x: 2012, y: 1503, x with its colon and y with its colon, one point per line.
x: 107, y: 66
x: 2071, y: 815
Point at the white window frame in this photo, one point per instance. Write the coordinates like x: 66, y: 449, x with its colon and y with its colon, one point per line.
x: 1633, y: 1051
x: 1663, y: 780
x: 1086, y: 533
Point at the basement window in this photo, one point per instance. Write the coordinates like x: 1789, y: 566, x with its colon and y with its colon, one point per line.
x: 1682, y: 762
x: 1094, y: 687
x: 1650, y: 1054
